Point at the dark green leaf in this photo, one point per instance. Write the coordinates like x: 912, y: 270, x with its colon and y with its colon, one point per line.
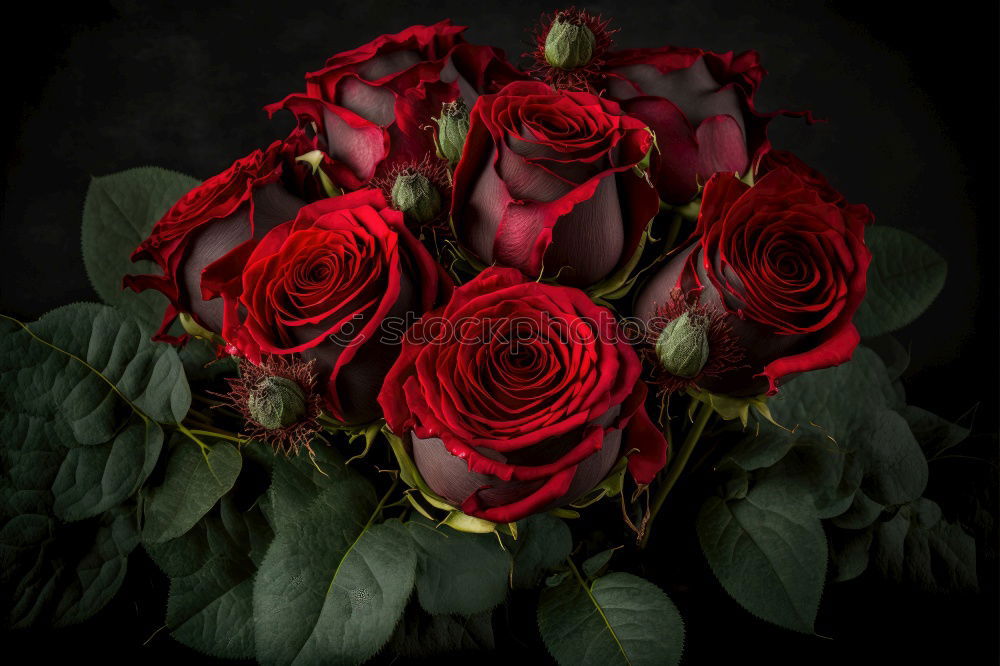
x: 334, y: 583
x: 935, y: 434
x: 904, y: 278
x: 543, y: 543
x: 57, y: 574
x: 201, y: 363
x: 828, y: 400
x: 815, y: 474
x: 422, y: 635
x: 194, y: 480
x: 617, y: 619
x: 211, y: 606
x: 895, y: 470
x: 457, y: 572
x: 119, y: 212
x: 862, y: 513
x: 761, y: 450
x: 80, y: 359
x: 919, y: 547
x: 593, y: 565
x: 93, y: 479
x: 77, y: 388
x: 848, y: 553
x: 770, y: 557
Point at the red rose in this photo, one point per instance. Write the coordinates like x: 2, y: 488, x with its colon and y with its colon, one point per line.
x: 245, y: 201
x: 322, y: 285
x: 372, y: 106
x: 781, y: 269
x: 517, y: 397
x: 547, y: 180
x: 699, y: 104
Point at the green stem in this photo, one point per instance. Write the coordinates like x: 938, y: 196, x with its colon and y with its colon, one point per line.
x: 700, y: 421
x: 674, y: 230
x: 597, y: 606
x: 220, y: 435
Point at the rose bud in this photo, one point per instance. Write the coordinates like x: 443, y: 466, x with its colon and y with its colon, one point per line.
x: 414, y: 195
x: 452, y: 128
x: 517, y: 397
x: 322, y: 286
x: 214, y: 219
x: 682, y: 346
x: 569, y: 44
x: 371, y: 106
x: 278, y: 400
x: 548, y: 180
x: 772, y: 276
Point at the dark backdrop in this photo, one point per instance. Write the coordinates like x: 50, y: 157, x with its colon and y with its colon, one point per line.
x: 909, y: 93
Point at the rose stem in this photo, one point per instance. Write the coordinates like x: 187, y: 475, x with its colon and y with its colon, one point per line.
x: 700, y: 421
x: 674, y: 230
x: 220, y: 435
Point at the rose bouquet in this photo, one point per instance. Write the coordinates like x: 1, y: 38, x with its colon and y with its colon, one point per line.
x: 451, y: 344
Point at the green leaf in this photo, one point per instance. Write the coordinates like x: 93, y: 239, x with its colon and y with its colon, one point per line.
x: 333, y: 584
x: 79, y: 358
x: 118, y: 214
x: 862, y: 513
x: 894, y: 355
x: 78, y: 387
x: 296, y: 482
x: 815, y: 474
x: 57, y: 574
x: 904, y: 278
x: 543, y: 543
x: 829, y: 400
x: 211, y: 606
x: 771, y: 558
x: 593, y: 565
x: 760, y: 450
x: 457, y: 572
x: 895, y: 470
x: 193, y: 482
x: 935, y: 434
x: 848, y: 553
x: 201, y: 363
x: 917, y: 546
x: 422, y: 635
x: 617, y: 619
x: 93, y: 479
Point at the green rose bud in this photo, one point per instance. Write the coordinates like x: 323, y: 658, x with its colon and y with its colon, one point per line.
x: 682, y: 346
x: 276, y: 402
x: 414, y: 195
x: 453, y: 125
x: 569, y: 45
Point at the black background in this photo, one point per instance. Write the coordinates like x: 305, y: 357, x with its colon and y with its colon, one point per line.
x: 910, y: 95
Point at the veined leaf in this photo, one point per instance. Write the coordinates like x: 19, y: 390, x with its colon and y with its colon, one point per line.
x: 118, y: 214
x: 770, y: 558
x: 457, y: 572
x: 334, y: 583
x: 60, y: 574
x: 193, y: 482
x: 904, y: 278
x: 617, y: 619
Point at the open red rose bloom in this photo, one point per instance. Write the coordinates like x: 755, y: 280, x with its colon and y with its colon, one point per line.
x: 453, y: 245
x: 519, y: 397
